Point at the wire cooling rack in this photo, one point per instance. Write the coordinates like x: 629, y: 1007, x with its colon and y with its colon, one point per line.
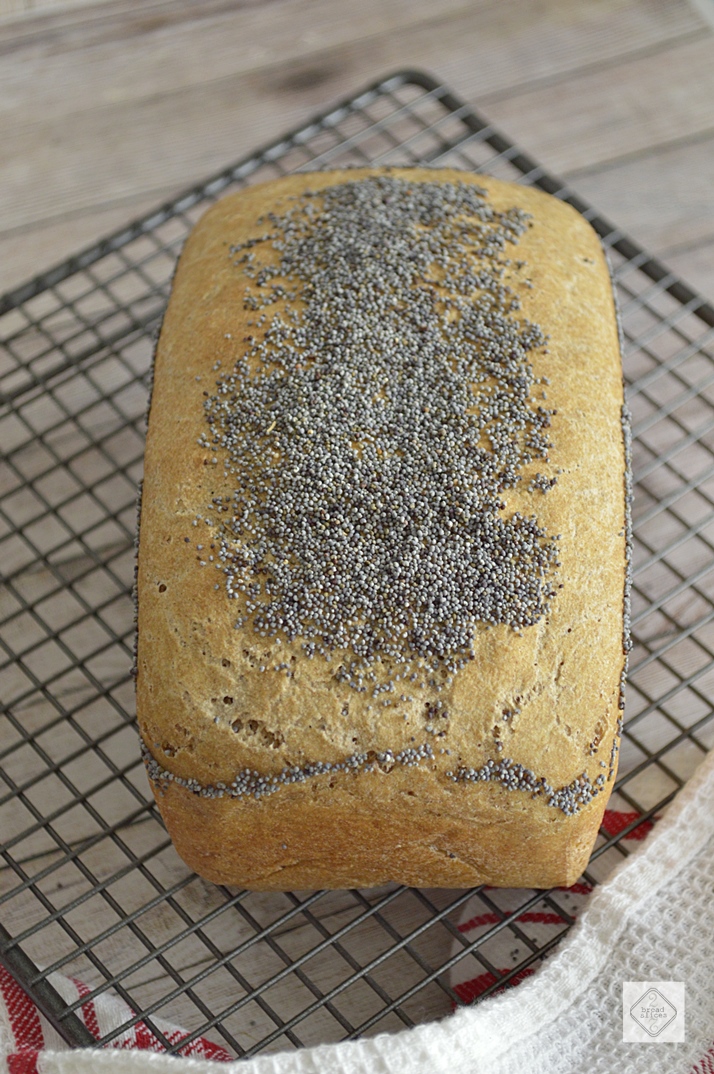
x: 90, y: 886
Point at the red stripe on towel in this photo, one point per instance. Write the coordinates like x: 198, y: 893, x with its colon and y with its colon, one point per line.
x: 467, y: 991
x: 25, y: 1026
x: 615, y: 821
x: 537, y: 917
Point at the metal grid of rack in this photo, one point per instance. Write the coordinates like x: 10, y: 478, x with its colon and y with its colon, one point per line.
x: 90, y: 886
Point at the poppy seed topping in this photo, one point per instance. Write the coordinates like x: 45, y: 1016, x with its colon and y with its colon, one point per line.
x: 371, y: 425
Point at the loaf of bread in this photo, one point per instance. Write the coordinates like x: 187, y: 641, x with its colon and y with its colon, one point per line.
x: 383, y: 556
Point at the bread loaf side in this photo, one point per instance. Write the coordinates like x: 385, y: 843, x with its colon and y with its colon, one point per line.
x: 383, y: 557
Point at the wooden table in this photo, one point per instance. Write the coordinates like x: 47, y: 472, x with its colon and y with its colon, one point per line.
x: 108, y: 108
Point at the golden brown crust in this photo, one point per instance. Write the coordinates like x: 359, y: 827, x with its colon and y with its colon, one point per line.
x: 206, y: 712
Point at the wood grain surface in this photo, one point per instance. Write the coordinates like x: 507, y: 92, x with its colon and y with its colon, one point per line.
x: 107, y: 108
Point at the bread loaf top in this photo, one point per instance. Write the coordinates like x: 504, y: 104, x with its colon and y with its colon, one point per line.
x: 365, y: 381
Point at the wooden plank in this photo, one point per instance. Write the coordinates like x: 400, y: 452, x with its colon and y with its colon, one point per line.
x: 119, y: 148
x: 130, y: 61
x: 673, y: 217
x: 123, y: 59
x: 30, y: 8
x: 29, y: 250
x: 649, y: 196
x: 109, y: 15
x: 696, y: 267
x: 615, y: 111
x: 40, y: 7
x: 705, y: 9
x: 12, y: 7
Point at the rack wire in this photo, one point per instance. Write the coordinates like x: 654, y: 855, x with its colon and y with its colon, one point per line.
x: 90, y: 886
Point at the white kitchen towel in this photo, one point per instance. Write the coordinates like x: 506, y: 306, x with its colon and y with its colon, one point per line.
x: 651, y: 921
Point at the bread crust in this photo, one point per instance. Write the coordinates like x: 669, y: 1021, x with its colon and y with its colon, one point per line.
x: 206, y: 712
